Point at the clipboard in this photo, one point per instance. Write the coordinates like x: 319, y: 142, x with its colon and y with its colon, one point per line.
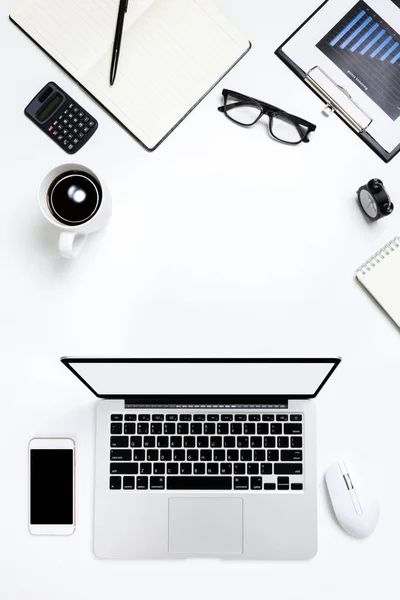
x: 313, y: 79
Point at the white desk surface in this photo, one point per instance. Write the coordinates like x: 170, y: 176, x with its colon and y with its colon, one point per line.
x: 222, y: 242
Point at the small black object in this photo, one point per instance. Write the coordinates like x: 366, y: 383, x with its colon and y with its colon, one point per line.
x: 61, y: 118
x: 374, y: 200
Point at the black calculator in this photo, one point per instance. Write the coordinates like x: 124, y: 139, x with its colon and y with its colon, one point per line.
x: 61, y: 118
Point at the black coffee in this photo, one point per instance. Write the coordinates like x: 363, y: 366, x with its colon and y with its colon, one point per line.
x: 74, y: 197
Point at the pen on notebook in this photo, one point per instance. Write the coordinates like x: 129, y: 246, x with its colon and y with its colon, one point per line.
x: 123, y: 8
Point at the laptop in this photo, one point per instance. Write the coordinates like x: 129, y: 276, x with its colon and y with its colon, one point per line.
x: 205, y: 457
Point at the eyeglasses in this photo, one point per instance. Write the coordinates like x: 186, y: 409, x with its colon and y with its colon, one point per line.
x: 283, y: 126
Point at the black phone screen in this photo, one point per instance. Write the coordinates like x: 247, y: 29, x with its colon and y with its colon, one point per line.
x: 52, y: 487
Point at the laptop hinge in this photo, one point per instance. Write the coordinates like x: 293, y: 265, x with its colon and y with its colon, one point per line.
x: 281, y: 404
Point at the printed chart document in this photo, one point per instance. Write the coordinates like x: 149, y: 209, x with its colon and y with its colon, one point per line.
x: 173, y: 53
x: 358, y: 45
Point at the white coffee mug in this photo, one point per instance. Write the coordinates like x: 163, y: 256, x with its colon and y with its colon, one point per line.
x: 73, y: 235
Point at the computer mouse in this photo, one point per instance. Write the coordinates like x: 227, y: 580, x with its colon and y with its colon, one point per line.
x: 353, y: 499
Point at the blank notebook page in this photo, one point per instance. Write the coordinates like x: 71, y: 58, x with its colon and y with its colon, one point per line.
x: 381, y: 277
x: 173, y: 52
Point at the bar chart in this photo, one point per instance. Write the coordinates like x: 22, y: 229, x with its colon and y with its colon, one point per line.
x: 367, y: 50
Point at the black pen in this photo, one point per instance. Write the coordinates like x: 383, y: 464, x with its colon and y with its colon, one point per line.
x: 123, y: 8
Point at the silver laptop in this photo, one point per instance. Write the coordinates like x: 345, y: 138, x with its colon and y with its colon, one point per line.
x: 205, y: 457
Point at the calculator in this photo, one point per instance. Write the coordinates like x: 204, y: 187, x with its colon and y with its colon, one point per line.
x: 61, y: 118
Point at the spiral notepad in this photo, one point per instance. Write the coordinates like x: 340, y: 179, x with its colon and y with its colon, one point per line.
x: 380, y: 276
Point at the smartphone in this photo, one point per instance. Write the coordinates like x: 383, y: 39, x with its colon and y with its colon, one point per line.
x: 52, y: 486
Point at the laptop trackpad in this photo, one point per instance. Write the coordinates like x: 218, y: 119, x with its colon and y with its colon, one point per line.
x: 205, y: 526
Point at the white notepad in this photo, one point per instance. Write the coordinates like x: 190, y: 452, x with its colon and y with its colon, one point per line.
x: 173, y: 53
x: 380, y: 276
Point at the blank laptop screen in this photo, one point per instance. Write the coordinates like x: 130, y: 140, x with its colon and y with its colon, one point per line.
x: 301, y: 378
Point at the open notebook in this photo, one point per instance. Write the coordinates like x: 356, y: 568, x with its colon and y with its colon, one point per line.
x: 380, y: 276
x: 173, y: 53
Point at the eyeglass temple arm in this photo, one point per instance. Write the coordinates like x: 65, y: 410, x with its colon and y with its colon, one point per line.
x: 230, y: 106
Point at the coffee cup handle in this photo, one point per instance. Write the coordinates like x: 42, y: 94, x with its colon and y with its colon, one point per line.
x: 71, y: 243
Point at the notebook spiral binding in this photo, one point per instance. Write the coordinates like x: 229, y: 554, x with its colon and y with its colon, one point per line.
x: 379, y: 256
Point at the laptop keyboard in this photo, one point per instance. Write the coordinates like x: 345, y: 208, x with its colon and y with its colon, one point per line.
x: 178, y: 452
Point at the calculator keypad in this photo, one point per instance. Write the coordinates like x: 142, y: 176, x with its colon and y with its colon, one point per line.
x: 72, y: 127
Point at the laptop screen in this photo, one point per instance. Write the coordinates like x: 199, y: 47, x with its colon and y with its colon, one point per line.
x: 196, y: 380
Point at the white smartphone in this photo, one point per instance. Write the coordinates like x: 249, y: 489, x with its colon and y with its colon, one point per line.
x: 52, y: 486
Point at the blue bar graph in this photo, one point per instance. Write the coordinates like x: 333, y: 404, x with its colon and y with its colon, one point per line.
x: 389, y: 52
x: 395, y: 59
x: 364, y: 37
x: 355, y: 33
x: 347, y: 28
x: 381, y: 46
x: 372, y: 42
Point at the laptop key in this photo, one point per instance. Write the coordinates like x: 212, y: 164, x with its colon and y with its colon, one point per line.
x: 249, y: 428
x: 116, y: 428
x: 273, y: 455
x: 186, y: 469
x: 212, y: 417
x: 179, y: 455
x: 268, y: 417
x: 129, y: 483
x: 145, y: 469
x: 246, y: 455
x: 199, y: 469
x: 183, y: 429
x: 138, y: 455
x: 259, y: 455
x: 296, y: 486
x: 130, y: 417
x: 269, y: 442
x: 130, y: 428
x: 216, y: 441
x: 269, y: 486
x: 239, y: 469
x: 162, y: 442
x: 209, y: 428
x: 226, y: 468
x: 232, y: 455
x: 282, y: 417
x: 189, y: 442
x: 136, y: 441
x: 121, y: 455
x: 283, y: 442
x: 256, y: 441
x: 222, y: 428
x: 205, y: 455
x: 130, y: 468
x: 229, y: 441
x: 254, y: 417
x: 288, y: 469
x: 276, y: 428
x: 240, y: 417
x: 196, y: 428
x: 149, y: 441
x: 115, y: 483
x: 243, y: 442
x: 236, y: 428
x: 171, y: 417
x: 262, y: 428
x: 165, y: 454
x: 158, y: 418
x: 212, y: 469
x: 266, y: 469
x: 202, y: 442
x: 293, y: 428
x: 119, y: 441
x: 241, y: 483
x: 116, y: 417
x: 157, y: 483
x: 219, y: 455
x: 142, y: 482
x: 144, y: 417
x: 143, y: 428
x: 256, y: 483
x: 252, y: 469
x: 156, y: 428
x: 169, y: 428
x: 176, y: 441
x: 199, y: 483
x: 199, y: 417
x: 226, y: 417
x: 159, y: 468
x: 192, y: 455
x: 296, y: 442
x: 185, y: 417
x: 296, y: 417
x: 152, y: 455
x: 172, y: 469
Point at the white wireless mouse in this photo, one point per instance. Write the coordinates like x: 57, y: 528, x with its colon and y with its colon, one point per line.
x: 353, y: 499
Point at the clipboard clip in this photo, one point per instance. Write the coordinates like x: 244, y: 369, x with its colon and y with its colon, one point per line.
x: 330, y: 92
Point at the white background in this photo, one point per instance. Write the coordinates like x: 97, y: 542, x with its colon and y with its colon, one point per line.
x: 222, y: 242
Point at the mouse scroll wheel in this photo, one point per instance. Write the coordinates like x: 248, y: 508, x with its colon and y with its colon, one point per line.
x: 348, y: 481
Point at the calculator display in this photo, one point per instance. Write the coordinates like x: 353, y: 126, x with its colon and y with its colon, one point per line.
x: 49, y: 107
